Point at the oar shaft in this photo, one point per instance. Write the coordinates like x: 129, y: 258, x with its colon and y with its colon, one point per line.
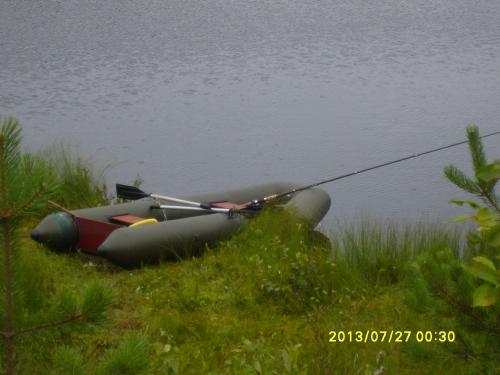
x: 177, y: 200
x: 134, y: 193
x: 189, y: 208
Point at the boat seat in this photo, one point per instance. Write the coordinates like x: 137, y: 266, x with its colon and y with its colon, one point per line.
x: 126, y: 219
x: 226, y: 204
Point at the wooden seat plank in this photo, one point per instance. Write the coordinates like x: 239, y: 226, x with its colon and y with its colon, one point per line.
x: 126, y: 219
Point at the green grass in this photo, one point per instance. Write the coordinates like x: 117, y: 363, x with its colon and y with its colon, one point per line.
x: 79, y: 185
x: 263, y: 302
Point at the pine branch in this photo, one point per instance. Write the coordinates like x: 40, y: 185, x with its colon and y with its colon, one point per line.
x: 457, y: 177
x: 93, y: 307
x: 469, y: 352
x: 3, y: 190
x: 13, y: 212
x: 55, y: 323
x: 476, y: 147
x: 10, y: 136
x: 18, y: 210
x: 491, y: 199
x: 23, y: 184
x: 466, y: 310
x: 11, y: 132
x: 9, y: 143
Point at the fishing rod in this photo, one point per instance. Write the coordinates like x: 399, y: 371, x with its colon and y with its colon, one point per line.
x: 255, y: 204
x: 133, y: 193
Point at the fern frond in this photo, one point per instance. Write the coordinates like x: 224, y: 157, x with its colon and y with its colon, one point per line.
x: 476, y: 147
x: 457, y: 177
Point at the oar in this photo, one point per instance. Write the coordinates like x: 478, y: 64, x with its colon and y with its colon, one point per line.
x: 133, y: 193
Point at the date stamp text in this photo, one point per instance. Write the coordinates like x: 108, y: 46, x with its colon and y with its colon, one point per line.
x: 390, y: 336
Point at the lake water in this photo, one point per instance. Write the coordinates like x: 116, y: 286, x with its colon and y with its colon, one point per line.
x: 205, y: 95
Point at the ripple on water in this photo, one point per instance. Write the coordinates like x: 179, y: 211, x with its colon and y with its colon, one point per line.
x: 287, y: 89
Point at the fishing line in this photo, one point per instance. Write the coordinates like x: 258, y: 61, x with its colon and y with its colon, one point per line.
x: 413, y: 156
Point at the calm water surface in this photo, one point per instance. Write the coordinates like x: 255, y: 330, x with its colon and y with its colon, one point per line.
x: 205, y: 95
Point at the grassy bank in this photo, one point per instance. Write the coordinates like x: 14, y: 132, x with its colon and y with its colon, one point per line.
x: 264, y: 302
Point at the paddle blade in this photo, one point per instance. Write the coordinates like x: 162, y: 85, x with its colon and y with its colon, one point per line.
x: 131, y: 193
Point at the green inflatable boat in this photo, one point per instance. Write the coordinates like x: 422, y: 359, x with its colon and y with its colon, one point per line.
x: 144, y: 231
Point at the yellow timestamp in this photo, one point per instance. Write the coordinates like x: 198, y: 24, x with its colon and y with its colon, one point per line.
x: 391, y: 336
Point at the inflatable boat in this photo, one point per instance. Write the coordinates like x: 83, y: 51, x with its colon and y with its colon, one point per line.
x: 143, y: 231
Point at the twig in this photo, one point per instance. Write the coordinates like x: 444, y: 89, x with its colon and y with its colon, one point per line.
x: 28, y: 203
x: 464, y: 308
x: 37, y: 327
